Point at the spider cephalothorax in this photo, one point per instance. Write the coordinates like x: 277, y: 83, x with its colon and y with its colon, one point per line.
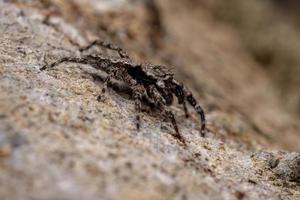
x: 152, y: 85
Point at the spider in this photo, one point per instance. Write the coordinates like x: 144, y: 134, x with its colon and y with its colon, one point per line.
x: 152, y: 85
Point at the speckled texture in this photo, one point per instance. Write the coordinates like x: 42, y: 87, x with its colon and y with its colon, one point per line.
x: 288, y: 167
x: 58, y: 142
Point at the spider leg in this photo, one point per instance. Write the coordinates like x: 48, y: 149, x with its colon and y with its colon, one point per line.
x: 138, y: 92
x: 106, y: 82
x: 66, y: 59
x: 161, y: 103
x: 186, y: 113
x: 107, y: 45
x: 81, y: 61
x: 138, y: 108
x: 170, y: 116
x: 180, y: 96
x: 114, y: 84
x: 198, y: 109
x: 172, y: 119
x: 95, y: 61
x: 155, y: 96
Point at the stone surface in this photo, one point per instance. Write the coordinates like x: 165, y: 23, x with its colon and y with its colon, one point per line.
x: 288, y: 167
x: 58, y: 142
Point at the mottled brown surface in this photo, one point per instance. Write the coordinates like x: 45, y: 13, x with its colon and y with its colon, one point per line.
x: 58, y: 142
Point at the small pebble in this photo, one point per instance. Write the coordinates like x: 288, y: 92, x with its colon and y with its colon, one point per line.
x: 288, y: 167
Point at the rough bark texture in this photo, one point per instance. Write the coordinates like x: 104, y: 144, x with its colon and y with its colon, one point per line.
x: 58, y: 142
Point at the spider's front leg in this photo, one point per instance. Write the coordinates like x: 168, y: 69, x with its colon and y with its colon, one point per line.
x: 179, y: 93
x: 172, y: 119
x: 170, y: 116
x: 186, y: 113
x: 106, y: 82
x: 192, y: 101
x: 160, y: 104
x: 155, y: 97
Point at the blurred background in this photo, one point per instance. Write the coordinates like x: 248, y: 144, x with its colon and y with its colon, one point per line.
x: 270, y: 31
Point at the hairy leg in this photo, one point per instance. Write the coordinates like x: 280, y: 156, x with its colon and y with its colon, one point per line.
x: 186, y: 113
x: 198, y: 109
x: 96, y: 61
x: 138, y: 92
x: 107, y: 45
x: 138, y: 108
x: 160, y: 103
x: 155, y: 97
x: 118, y: 86
x: 106, y: 82
x: 179, y: 93
x: 170, y: 116
x: 66, y: 59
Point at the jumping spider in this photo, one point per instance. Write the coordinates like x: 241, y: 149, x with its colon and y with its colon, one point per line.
x: 152, y: 85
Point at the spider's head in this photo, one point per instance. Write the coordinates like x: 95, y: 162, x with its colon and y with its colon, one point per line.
x: 161, y: 74
x: 163, y: 80
x: 157, y: 71
x: 152, y: 74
